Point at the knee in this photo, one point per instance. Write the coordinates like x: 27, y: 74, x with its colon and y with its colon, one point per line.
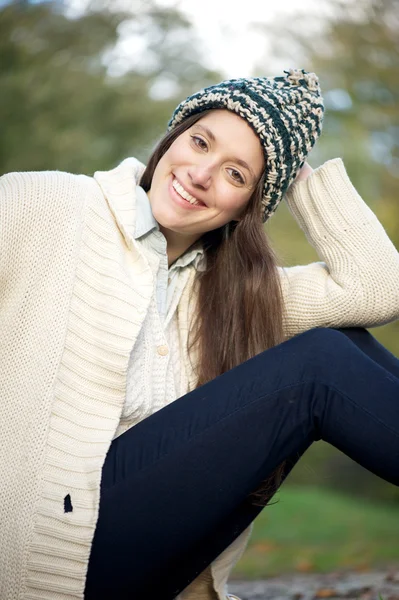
x: 344, y: 334
x: 357, y: 334
x: 324, y: 334
x: 324, y: 342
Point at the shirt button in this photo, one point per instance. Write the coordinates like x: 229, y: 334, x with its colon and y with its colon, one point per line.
x: 162, y: 350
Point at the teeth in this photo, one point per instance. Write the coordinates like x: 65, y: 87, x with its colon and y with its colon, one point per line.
x: 182, y: 192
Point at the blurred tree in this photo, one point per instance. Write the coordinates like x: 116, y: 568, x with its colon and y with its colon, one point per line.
x: 73, y: 99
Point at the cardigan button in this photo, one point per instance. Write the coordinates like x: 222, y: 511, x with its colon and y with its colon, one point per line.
x: 162, y: 350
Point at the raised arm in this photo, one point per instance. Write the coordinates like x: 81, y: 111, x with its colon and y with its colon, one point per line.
x: 356, y: 283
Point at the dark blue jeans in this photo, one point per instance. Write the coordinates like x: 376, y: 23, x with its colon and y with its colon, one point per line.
x: 176, y: 487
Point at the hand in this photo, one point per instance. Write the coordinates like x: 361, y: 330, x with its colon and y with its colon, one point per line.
x: 304, y: 173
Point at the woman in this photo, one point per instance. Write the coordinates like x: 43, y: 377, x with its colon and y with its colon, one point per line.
x: 123, y: 292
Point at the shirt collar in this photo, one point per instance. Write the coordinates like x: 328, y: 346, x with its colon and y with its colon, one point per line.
x: 194, y: 255
x: 145, y: 223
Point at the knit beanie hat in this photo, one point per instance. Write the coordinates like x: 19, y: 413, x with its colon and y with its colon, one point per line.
x: 286, y: 114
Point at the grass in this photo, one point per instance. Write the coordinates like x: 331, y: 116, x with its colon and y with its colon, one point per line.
x: 316, y: 530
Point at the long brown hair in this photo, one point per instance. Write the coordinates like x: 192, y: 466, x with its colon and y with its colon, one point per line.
x: 240, y: 303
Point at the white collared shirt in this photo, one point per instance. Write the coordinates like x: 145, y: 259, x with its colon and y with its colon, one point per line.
x: 155, y: 376
x: 148, y: 234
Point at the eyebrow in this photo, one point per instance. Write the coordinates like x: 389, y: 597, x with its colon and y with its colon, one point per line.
x: 237, y: 160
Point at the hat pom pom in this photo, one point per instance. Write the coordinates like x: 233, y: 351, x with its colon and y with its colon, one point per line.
x: 299, y: 76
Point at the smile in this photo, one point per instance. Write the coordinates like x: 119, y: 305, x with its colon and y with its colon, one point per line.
x: 184, y: 194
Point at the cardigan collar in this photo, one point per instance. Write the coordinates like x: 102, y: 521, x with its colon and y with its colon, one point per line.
x: 119, y: 188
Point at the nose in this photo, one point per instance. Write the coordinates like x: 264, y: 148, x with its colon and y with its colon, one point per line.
x: 201, y: 175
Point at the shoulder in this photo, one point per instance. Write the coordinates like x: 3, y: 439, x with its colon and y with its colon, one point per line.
x: 25, y: 195
x: 34, y: 185
x: 42, y: 209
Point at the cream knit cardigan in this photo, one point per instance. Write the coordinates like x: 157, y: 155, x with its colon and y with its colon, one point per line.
x: 74, y: 291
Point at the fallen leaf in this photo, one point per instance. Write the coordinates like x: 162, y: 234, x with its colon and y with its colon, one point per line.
x: 325, y: 593
x: 304, y: 565
x: 264, y: 546
x: 362, y: 568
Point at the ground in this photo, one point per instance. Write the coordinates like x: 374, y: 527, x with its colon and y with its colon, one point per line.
x: 373, y: 585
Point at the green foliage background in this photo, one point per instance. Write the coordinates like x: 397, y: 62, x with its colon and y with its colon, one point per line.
x: 62, y: 108
x: 70, y: 101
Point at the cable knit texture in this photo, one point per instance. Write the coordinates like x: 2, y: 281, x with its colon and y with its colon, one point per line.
x: 75, y: 290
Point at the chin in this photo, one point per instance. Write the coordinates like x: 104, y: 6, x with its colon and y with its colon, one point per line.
x: 166, y: 221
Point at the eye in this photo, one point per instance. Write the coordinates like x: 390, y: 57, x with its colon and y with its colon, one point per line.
x: 236, y: 175
x: 199, y: 142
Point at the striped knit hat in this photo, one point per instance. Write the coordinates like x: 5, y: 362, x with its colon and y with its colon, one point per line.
x: 285, y: 112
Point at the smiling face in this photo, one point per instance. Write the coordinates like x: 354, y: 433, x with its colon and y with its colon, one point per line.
x: 207, y: 176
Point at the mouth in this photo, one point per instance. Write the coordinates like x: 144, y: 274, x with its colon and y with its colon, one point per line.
x: 185, y: 195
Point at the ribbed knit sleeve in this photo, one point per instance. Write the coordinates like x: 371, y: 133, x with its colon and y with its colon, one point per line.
x: 356, y: 283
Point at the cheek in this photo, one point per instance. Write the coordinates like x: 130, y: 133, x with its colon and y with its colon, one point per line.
x: 164, y: 164
x: 177, y: 153
x: 234, y: 203
x: 159, y: 169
